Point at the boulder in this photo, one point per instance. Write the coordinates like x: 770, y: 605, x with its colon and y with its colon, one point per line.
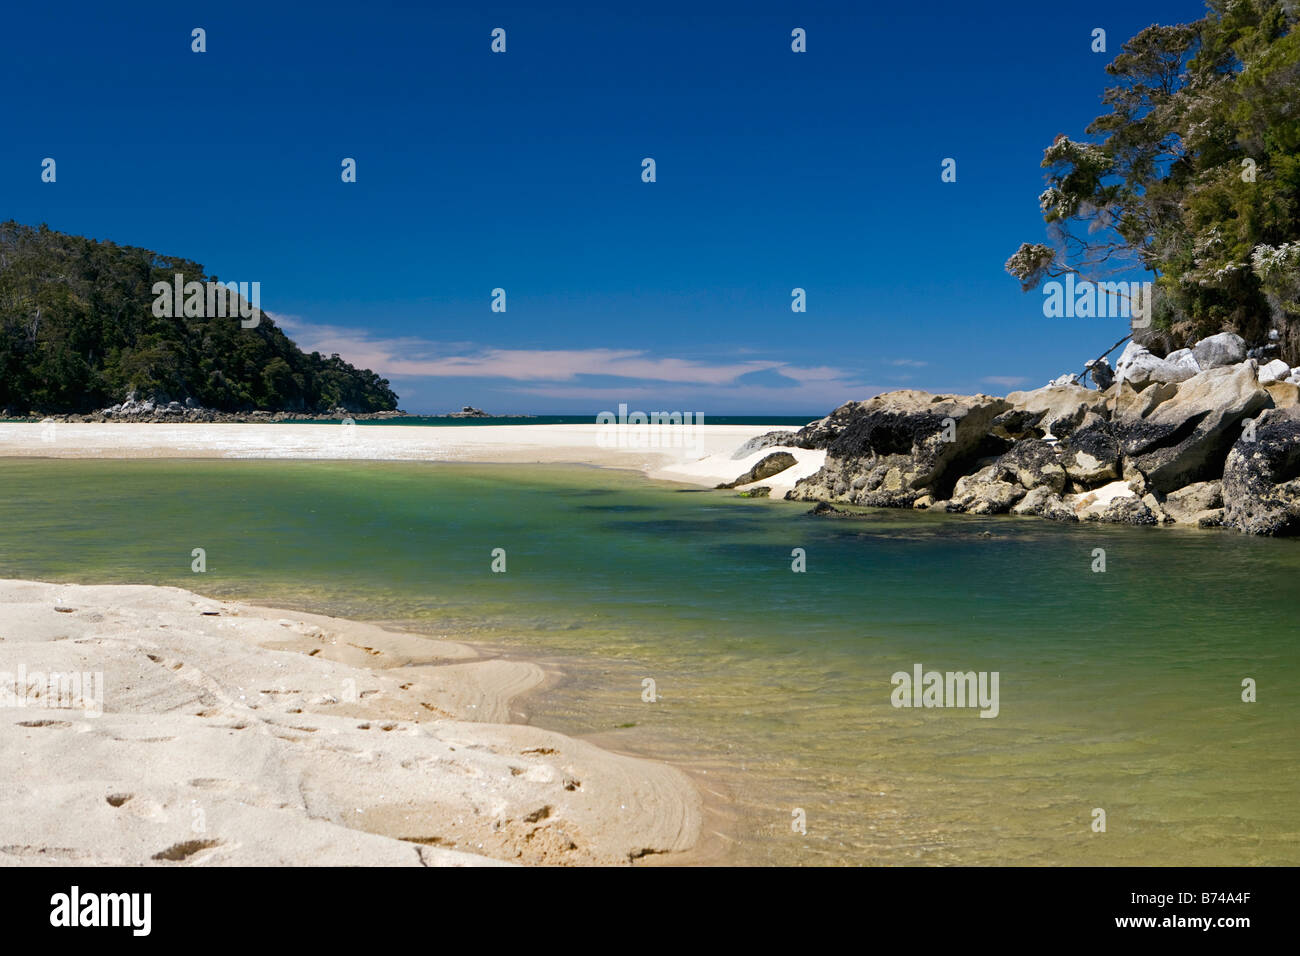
x: 1140, y: 368
x: 1032, y: 464
x: 1261, y: 479
x: 766, y: 440
x: 1102, y: 375
x: 1091, y: 455
x: 772, y: 464
x: 1188, y: 504
x: 895, y: 448
x: 1284, y: 394
x: 1185, y: 438
x: 1129, y: 510
x: 1274, y: 371
x: 1123, y: 401
x: 821, y: 433
x: 1220, y: 350
x: 1042, y: 503
x: 985, y: 493
x: 1115, y: 503
x: 1054, y: 410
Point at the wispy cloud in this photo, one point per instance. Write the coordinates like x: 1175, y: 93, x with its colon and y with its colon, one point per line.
x: 909, y: 363
x: 1006, y: 381
x: 566, y: 373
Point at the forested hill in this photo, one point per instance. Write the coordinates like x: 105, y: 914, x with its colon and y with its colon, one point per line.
x: 78, y: 333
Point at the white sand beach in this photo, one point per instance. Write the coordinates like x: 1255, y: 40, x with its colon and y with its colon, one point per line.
x: 699, y: 454
x: 211, y: 732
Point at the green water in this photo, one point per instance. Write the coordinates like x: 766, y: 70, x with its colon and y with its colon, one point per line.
x: 1118, y: 690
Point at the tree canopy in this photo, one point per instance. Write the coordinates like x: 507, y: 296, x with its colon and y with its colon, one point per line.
x: 78, y: 333
x: 1193, y: 175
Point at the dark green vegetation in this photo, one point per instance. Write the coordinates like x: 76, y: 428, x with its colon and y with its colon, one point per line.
x: 77, y: 333
x: 1194, y: 174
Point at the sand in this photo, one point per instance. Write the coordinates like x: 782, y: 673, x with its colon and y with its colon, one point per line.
x: 227, y: 734
x: 699, y: 455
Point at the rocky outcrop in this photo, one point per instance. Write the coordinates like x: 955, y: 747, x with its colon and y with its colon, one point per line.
x: 771, y: 465
x: 897, y: 447
x: 1166, y: 443
x: 1261, y: 479
x: 1185, y: 439
x: 149, y: 412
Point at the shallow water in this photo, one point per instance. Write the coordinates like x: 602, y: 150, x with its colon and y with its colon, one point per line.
x: 1118, y: 690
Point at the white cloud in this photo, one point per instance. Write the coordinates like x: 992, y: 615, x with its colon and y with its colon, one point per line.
x: 1007, y: 381
x: 545, y: 372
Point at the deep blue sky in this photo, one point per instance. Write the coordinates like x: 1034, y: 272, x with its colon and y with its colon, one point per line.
x: 523, y: 171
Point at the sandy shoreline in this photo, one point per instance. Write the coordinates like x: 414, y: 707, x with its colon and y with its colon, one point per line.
x: 228, y: 734
x: 699, y: 455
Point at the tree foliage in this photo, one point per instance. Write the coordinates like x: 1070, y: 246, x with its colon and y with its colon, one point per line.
x: 78, y: 333
x: 1193, y: 174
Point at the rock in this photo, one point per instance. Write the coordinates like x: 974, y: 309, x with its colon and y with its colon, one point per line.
x: 759, y: 491
x: 1091, y: 455
x: 1153, y: 505
x: 1032, y: 464
x: 1184, y: 439
x: 1124, y: 510
x: 1212, y: 518
x: 1220, y: 350
x: 1091, y: 505
x: 767, y: 440
x: 822, y: 509
x: 1126, y: 402
x: 985, y: 493
x: 1042, y: 503
x: 821, y: 433
x: 1274, y: 371
x: 1054, y: 410
x: 1100, y: 372
x: 1140, y: 368
x: 923, y: 502
x: 1185, y: 360
x: 773, y: 464
x: 897, y: 447
x: 1187, y: 504
x: 1060, y: 380
x: 1284, y: 394
x: 1261, y: 479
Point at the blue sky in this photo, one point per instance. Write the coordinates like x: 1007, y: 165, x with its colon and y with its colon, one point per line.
x: 522, y: 171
